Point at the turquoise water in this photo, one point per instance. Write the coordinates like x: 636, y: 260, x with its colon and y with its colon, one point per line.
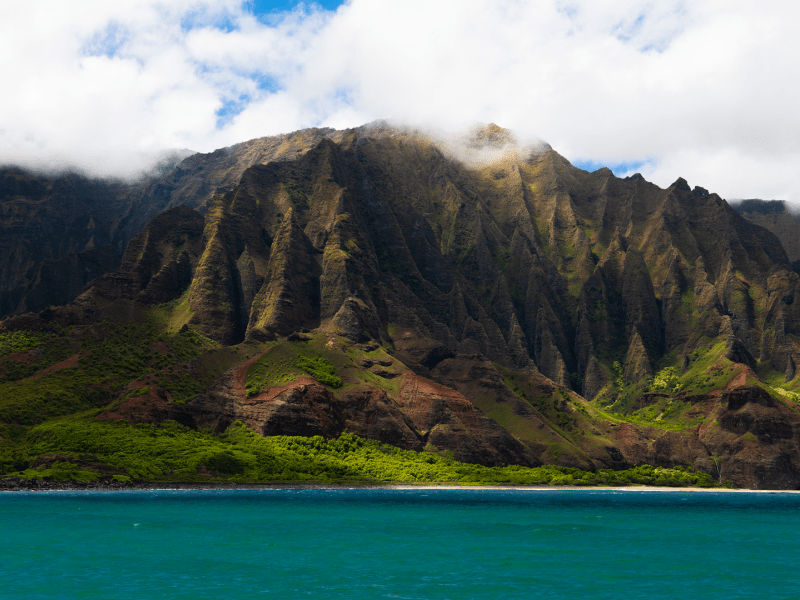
x: 399, y: 544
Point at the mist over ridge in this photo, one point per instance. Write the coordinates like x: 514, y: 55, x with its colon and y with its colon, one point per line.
x: 680, y: 89
x: 475, y: 295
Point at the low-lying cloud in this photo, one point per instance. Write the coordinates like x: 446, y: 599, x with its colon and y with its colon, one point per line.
x: 704, y: 89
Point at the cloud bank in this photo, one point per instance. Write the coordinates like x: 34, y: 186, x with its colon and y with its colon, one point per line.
x: 703, y: 89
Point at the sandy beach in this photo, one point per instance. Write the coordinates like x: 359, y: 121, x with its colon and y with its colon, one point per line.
x: 14, y: 484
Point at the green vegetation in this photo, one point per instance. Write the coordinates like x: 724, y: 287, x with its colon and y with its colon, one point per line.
x: 320, y: 369
x: 500, y: 257
x: 49, y: 427
x: 774, y: 382
x: 619, y: 377
x: 103, y: 359
x: 276, y: 369
x: 666, y: 380
x: 50, y: 349
x: 319, y: 358
x: 789, y: 394
x: 17, y: 341
x: 172, y: 452
x: 571, y: 425
x: 688, y: 304
x: 676, y: 397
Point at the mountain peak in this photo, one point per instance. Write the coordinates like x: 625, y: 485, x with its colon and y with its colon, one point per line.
x: 491, y: 135
x: 681, y: 184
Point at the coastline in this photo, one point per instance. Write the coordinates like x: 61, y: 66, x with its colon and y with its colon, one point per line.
x: 15, y: 484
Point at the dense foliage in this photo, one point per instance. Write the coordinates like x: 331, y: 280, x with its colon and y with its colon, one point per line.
x: 174, y: 452
x: 101, y: 360
x: 284, y: 364
x: 320, y: 369
x: 17, y: 341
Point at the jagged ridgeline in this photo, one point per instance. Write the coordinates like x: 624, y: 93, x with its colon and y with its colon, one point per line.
x: 525, y: 260
x: 480, y: 299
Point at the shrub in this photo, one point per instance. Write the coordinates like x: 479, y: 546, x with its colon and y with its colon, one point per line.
x: 225, y: 462
x: 320, y: 369
x: 17, y: 341
x: 666, y: 380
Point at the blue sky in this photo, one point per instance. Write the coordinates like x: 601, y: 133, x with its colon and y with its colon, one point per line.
x: 267, y: 11
x: 621, y: 169
x: 266, y: 7
x: 705, y: 90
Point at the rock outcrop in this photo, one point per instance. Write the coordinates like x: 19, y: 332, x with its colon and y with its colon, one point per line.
x: 485, y: 277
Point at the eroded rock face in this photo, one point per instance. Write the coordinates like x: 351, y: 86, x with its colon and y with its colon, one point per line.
x: 57, y: 236
x: 481, y: 382
x: 289, y: 297
x: 158, y: 264
x: 527, y: 264
x: 758, y: 440
x: 752, y: 440
x: 425, y: 414
x: 776, y: 216
x: 448, y: 421
x: 55, y: 225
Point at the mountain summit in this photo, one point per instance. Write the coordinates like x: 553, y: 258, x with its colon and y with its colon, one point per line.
x: 491, y: 135
x: 518, y: 311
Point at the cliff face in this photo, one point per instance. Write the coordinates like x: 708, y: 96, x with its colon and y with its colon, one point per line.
x: 62, y: 231
x: 543, y: 313
x: 56, y: 238
x: 526, y: 261
x: 775, y: 216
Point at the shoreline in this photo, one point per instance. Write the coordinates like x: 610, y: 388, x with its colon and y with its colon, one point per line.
x: 13, y: 484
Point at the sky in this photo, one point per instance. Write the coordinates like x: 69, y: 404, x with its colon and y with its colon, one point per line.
x: 706, y: 90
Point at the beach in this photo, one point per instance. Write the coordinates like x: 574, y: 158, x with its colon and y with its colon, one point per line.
x: 19, y: 484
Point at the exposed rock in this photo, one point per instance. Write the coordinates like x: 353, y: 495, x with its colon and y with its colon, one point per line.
x: 637, y: 363
x: 59, y: 281
x: 741, y: 396
x: 775, y: 216
x: 355, y: 321
x: 433, y: 356
x: 452, y: 422
x: 303, y: 407
x: 297, y: 337
x: 528, y: 270
x: 594, y: 380
x: 737, y: 352
x: 384, y: 373
x: 58, y: 235
x: 674, y: 449
x: 755, y: 440
x: 158, y: 264
x: 791, y: 369
x: 289, y: 298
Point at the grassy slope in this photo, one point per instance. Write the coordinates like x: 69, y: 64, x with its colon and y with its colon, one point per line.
x: 49, y: 426
x: 322, y: 358
x: 679, y: 399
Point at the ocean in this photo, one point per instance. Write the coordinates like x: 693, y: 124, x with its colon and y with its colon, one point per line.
x: 398, y: 543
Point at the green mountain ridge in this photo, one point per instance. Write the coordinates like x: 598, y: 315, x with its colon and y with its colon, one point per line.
x: 777, y: 217
x: 516, y: 311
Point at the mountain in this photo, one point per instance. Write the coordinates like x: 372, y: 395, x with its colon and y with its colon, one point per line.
x: 481, y: 299
x: 62, y: 231
x: 775, y: 216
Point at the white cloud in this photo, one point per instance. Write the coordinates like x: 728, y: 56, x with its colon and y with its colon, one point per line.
x: 702, y: 89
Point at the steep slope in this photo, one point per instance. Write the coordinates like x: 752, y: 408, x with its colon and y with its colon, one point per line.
x: 62, y: 231
x: 56, y: 237
x: 532, y: 312
x: 776, y: 216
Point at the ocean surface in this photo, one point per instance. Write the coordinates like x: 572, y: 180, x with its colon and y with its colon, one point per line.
x: 381, y: 543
